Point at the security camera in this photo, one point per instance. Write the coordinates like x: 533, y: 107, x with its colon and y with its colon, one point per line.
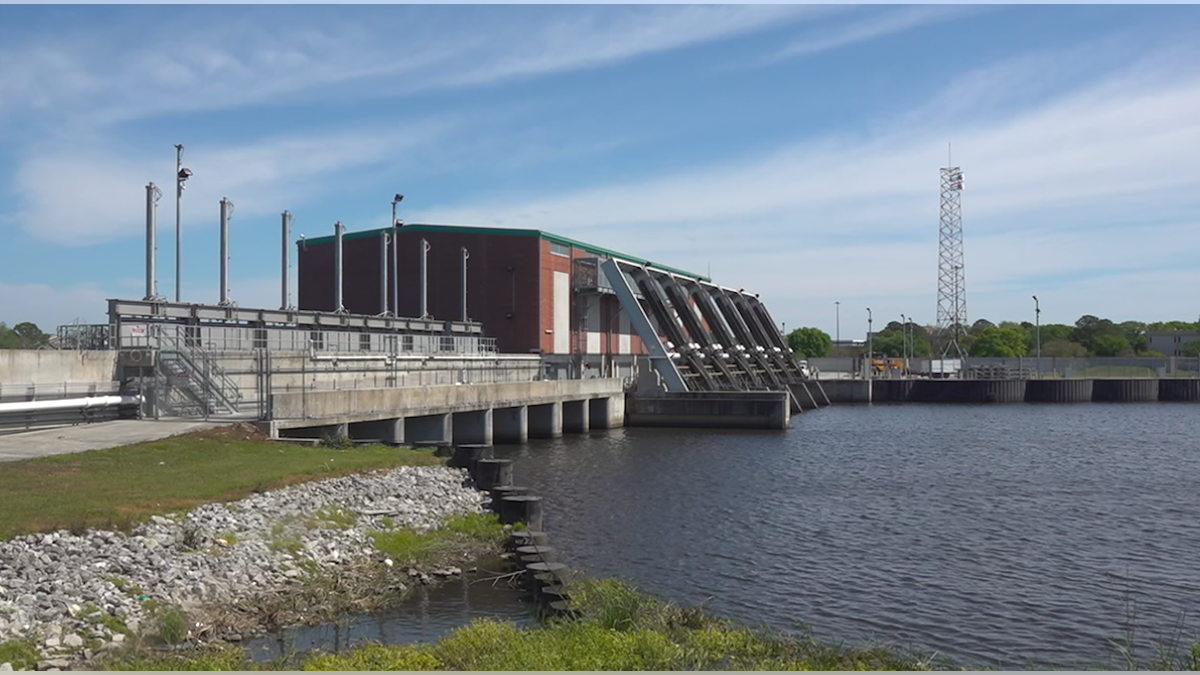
x: 185, y: 173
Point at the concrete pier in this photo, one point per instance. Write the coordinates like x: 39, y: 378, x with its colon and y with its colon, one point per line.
x: 576, y: 418
x: 546, y: 420
x: 428, y: 428
x: 472, y: 427
x: 510, y: 425
x: 390, y: 431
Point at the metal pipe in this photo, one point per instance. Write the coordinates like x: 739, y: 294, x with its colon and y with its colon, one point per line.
x: 178, y: 218
x: 383, y: 273
x: 69, y: 403
x: 152, y: 196
x: 465, y: 255
x: 285, y: 300
x: 338, y: 228
x: 424, y: 281
x: 226, y: 211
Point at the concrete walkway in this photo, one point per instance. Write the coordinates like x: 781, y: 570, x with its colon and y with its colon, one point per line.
x: 84, y: 437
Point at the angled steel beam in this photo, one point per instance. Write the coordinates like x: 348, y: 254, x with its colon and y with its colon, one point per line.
x: 659, y: 358
x: 656, y: 300
x: 682, y: 302
x: 724, y: 334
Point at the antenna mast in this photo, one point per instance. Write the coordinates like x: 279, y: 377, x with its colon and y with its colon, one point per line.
x: 952, y: 287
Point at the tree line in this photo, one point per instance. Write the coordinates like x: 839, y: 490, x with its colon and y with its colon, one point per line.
x: 25, y: 335
x: 1090, y: 336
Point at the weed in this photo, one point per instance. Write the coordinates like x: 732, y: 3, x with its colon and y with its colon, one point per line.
x: 331, y: 518
x: 22, y: 654
x: 388, y: 522
x: 226, y: 658
x: 171, y: 623
x: 376, y: 657
x: 336, y: 442
x: 286, y: 543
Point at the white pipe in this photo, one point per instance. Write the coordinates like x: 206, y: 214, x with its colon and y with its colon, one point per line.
x: 69, y: 403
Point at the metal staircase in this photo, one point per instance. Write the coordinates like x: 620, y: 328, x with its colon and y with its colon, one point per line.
x: 191, y: 383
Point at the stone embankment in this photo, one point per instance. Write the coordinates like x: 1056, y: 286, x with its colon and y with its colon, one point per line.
x: 74, y: 596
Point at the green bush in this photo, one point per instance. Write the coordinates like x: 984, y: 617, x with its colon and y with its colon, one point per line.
x: 22, y: 654
x: 376, y: 657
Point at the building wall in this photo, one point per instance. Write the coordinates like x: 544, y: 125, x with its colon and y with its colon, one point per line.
x: 519, y: 287
x: 1170, y: 342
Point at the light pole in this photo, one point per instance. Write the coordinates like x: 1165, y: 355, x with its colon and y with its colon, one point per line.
x: 1037, y: 321
x: 904, y: 339
x: 837, y: 310
x: 870, y: 346
x: 395, y: 257
x: 181, y: 176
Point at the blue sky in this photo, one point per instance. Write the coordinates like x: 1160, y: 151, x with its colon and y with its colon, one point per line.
x: 791, y: 149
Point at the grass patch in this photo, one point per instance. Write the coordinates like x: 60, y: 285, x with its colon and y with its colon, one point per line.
x: 618, y: 629
x: 118, y: 488
x: 230, y: 658
x: 331, y: 518
x: 22, y: 654
x: 410, y: 547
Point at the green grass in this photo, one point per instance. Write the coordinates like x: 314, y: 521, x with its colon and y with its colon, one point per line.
x: 118, y: 488
x: 410, y: 547
x: 22, y: 654
x: 618, y: 629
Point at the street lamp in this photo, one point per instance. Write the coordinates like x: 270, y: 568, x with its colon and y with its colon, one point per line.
x: 870, y: 344
x: 181, y: 176
x: 396, y: 257
x: 1037, y: 320
x: 837, y: 309
x: 904, y: 339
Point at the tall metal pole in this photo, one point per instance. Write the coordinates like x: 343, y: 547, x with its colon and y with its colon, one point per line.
x: 395, y: 257
x: 285, y: 300
x: 1037, y: 319
x: 424, y: 279
x: 178, y: 217
x: 465, y: 255
x: 837, y: 308
x: 383, y: 273
x: 870, y: 346
x: 903, y: 339
x: 338, y: 228
x: 153, y: 194
x: 226, y: 212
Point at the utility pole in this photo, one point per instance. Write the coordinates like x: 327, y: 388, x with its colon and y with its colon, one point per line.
x: 1037, y: 319
x: 870, y: 346
x: 181, y: 176
x: 396, y: 257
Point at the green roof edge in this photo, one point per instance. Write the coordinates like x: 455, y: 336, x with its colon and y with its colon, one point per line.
x: 550, y: 236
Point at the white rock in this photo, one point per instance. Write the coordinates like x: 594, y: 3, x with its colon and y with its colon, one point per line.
x: 73, y: 641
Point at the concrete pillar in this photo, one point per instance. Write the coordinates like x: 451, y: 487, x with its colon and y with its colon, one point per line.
x: 546, y: 420
x: 473, y: 427
x: 607, y: 412
x: 510, y: 425
x: 431, y: 428
x: 390, y: 431
x: 575, y: 417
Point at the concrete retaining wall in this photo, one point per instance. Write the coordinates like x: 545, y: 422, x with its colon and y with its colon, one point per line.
x: 726, y: 410
x: 1123, y: 390
x: 1058, y: 391
x: 1178, y: 390
x: 37, y: 366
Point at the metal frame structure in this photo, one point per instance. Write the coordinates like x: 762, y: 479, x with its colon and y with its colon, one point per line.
x: 952, y: 288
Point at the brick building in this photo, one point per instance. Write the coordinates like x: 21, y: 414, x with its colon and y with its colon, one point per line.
x: 535, y: 292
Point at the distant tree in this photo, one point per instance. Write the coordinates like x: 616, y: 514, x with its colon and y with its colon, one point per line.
x: 1135, y: 333
x: 996, y: 341
x: 1061, y: 348
x: 1055, y: 331
x: 889, y: 343
x: 29, y: 335
x: 1172, y: 325
x: 810, y: 343
x: 979, y: 325
x: 1111, y: 345
x: 1088, y: 328
x: 1192, y: 348
x: 8, y: 339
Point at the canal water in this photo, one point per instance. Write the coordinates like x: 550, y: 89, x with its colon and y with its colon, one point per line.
x: 1014, y: 535
x: 1018, y: 536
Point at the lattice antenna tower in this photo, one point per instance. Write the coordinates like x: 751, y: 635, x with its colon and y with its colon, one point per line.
x: 952, y: 286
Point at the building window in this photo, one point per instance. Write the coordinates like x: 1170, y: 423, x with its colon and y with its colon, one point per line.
x: 406, y: 343
x: 260, y: 338
x: 191, y: 336
x: 560, y: 249
x: 318, y: 339
x: 364, y: 342
x: 447, y: 343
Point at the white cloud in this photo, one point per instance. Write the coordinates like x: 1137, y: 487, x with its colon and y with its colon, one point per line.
x: 877, y: 25
x: 1089, y: 183
x: 80, y: 197
x: 198, y: 60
